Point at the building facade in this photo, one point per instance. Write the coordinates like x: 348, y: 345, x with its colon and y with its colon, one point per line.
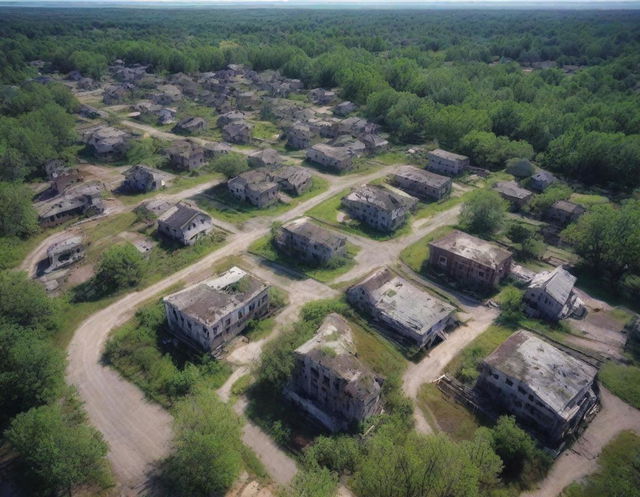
x: 447, y: 163
x: 379, y: 207
x: 422, y: 184
x: 184, y: 223
x: 310, y: 242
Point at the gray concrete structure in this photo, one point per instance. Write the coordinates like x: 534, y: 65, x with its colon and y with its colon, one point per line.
x: 301, y: 238
x: 551, y: 296
x: 337, y: 158
x: 564, y: 212
x: 186, y: 155
x: 255, y: 187
x: 142, y: 179
x: 510, y: 191
x: 379, y: 207
x: 422, y: 184
x: 447, y: 163
x: 184, y: 223
x: 65, y: 253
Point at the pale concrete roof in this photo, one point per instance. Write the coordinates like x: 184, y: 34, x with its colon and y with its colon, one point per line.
x: 472, y: 248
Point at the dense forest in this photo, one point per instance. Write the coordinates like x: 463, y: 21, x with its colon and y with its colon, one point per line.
x: 459, y: 78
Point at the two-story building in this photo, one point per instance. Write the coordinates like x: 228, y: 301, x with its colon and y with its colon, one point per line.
x: 255, y: 186
x: 184, y: 223
x: 379, y: 207
x: 510, y: 190
x: 337, y: 158
x: 551, y: 296
x: 304, y: 239
x: 422, y: 184
x: 447, y: 163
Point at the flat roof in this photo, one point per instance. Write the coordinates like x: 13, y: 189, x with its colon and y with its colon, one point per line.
x: 472, y: 248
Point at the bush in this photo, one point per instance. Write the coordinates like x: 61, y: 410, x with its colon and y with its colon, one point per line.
x: 17, y: 215
x: 521, y: 168
x: 121, y: 266
x: 230, y: 164
x: 483, y: 213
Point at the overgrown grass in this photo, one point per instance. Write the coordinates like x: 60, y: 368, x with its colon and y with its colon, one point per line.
x: 178, y: 184
x: 222, y: 205
x: 433, y: 208
x: 417, y: 253
x: 443, y: 413
x: 13, y: 250
x: 588, y: 201
x: 265, y: 130
x: 623, y: 381
x: 465, y: 365
x: 263, y: 247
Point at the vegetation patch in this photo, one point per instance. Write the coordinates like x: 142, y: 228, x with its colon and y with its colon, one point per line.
x: 623, y: 381
x: 416, y: 254
x: 446, y: 415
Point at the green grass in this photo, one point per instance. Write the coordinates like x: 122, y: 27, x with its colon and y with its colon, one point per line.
x: 618, y: 472
x: 376, y: 352
x: 258, y: 330
x: 392, y: 157
x: 241, y: 385
x: 264, y: 248
x: 327, y: 212
x: 417, y: 253
x: 434, y: 208
x: 228, y: 208
x: 623, y: 381
x: 445, y: 414
x: 13, y: 250
x: 588, y: 201
x: 464, y: 366
x: 178, y: 184
x: 265, y: 130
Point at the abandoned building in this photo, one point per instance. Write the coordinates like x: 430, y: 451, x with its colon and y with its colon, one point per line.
x: 320, y: 96
x: 336, y: 158
x: 343, y: 109
x: 264, y: 158
x: 551, y: 296
x: 237, y: 132
x: 213, y: 150
x: 190, y: 126
x: 166, y: 116
x: 231, y: 117
x: 184, y: 223
x: 292, y: 179
x: 117, y: 94
x: 65, y: 179
x: 548, y: 390
x: 509, y: 190
x: 256, y: 187
x: 166, y: 95
x: 185, y: 155
x: 329, y: 381
x: 299, y: 136
x: 65, y: 253
x: 247, y: 100
x: 564, y: 212
x: 142, y: 179
x: 81, y: 199
x: 208, y: 315
x: 374, y: 144
x: 404, y: 308
x: 106, y: 142
x: 470, y: 260
x: 541, y: 180
x: 355, y: 126
x: 422, y: 184
x: 310, y: 242
x: 447, y: 163
x: 379, y: 207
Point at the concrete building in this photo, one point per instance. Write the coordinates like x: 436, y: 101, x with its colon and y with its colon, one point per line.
x: 564, y: 212
x: 422, y: 184
x: 402, y: 307
x: 186, y: 155
x: 470, y: 260
x: 379, y: 207
x: 541, y: 180
x: 142, y: 179
x: 106, y: 142
x: 265, y: 158
x: 299, y: 136
x: 374, y: 144
x: 208, y: 315
x: 551, y: 296
x: 65, y: 253
x: 337, y: 158
x: 184, y: 223
x: 447, y: 163
x: 237, y: 132
x: 329, y: 381
x: 343, y: 109
x: 546, y: 389
x: 190, y: 126
x: 247, y: 100
x: 356, y: 126
x: 231, y: 117
x: 166, y: 95
x: 255, y: 187
x: 301, y: 238
x: 78, y: 200
x: 510, y: 191
x: 294, y: 180
x: 320, y: 96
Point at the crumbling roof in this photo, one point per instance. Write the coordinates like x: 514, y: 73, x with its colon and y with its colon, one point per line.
x: 421, y: 176
x: 64, y: 245
x: 511, y: 189
x: 472, y: 248
x: 335, y: 153
x: 381, y: 197
x: 554, y: 376
x: 558, y: 284
x: 443, y: 154
x: 211, y: 300
x: 292, y: 174
x: 566, y: 206
x: 304, y: 228
x: 180, y: 215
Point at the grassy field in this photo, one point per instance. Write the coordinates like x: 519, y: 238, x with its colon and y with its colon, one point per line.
x: 417, y: 253
x: 444, y: 414
x: 378, y: 353
x: 433, y: 208
x: 13, y: 250
x: 623, y: 380
x: 178, y: 184
x: 227, y: 208
x: 265, y: 130
x: 264, y: 248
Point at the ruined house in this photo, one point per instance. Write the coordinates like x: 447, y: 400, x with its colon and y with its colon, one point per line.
x: 256, y: 187
x: 380, y: 208
x: 117, y: 94
x: 231, y: 117
x: 374, y: 144
x: 61, y: 175
x: 294, y: 180
x: 355, y: 126
x: 299, y: 136
x: 213, y: 150
x: 129, y: 74
x: 166, y: 95
x: 107, y: 143
x: 547, y: 390
x: 237, y: 132
x: 510, y: 191
x: 336, y: 158
x: 470, y: 260
x: 447, y: 163
x: 564, y: 212
x: 81, y: 199
x: 247, y: 100
x: 142, y: 179
x: 90, y: 112
x: 190, y: 125
x: 303, y: 239
x: 186, y: 155
x: 166, y: 116
x: 422, y: 184
x: 343, y: 109
x: 208, y: 315
x: 541, y: 180
x: 329, y: 381
x: 65, y: 253
x: 264, y: 158
x: 320, y: 96
x: 404, y: 308
x: 87, y: 84
x: 551, y: 296
x: 184, y: 223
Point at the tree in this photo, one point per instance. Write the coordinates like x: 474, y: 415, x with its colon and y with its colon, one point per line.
x: 121, y: 266
x: 510, y: 304
x: 484, y: 212
x: 317, y: 482
x: 17, y: 215
x: 230, y: 164
x: 546, y: 199
x: 24, y: 302
x: 482, y: 455
x: 141, y: 150
x: 514, y: 446
x: 58, y: 452
x: 492, y: 152
x: 520, y: 167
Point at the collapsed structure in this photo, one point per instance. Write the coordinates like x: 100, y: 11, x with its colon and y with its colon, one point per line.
x: 551, y: 296
x: 403, y: 307
x: 329, y: 382
x: 65, y: 253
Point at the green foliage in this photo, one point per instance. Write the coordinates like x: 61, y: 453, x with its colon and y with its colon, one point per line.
x: 521, y: 168
x: 89, y: 64
x: 17, y: 215
x: 623, y: 380
x: 58, y: 451
x: 339, y: 453
x: 483, y: 213
x: 318, y: 482
x: 140, y: 151
x: 121, y: 266
x: 208, y: 451
x: 492, y: 152
x: 510, y: 306
x: 24, y: 302
x: 530, y: 244
x: 230, y: 164
x: 541, y: 202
